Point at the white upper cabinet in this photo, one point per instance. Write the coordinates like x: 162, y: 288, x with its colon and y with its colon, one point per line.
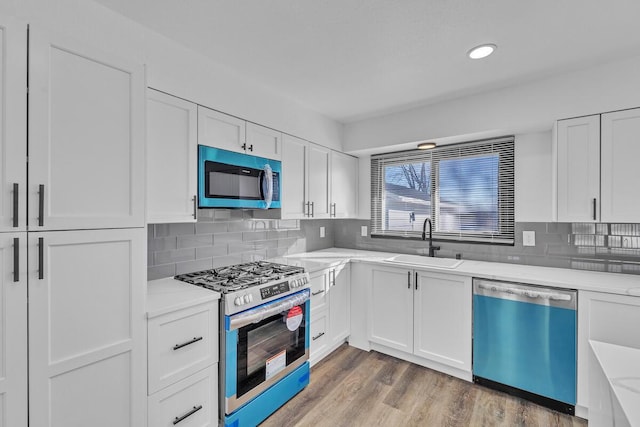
x: 264, y: 142
x: 294, y: 177
x: 230, y: 133
x: 319, y: 170
x: 172, y: 149
x: 13, y: 329
x: 86, y: 136
x: 220, y: 130
x: 13, y: 124
x: 578, y: 155
x: 344, y: 185
x: 597, y: 176
x: 620, y: 171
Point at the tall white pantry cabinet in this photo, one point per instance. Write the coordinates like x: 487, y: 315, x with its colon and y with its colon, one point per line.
x: 72, y: 265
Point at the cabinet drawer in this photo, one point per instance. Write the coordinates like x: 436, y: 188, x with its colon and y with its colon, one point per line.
x: 319, y: 288
x: 181, y: 343
x: 319, y: 335
x: 188, y: 403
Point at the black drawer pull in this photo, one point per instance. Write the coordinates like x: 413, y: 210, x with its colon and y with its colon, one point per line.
x: 195, y: 339
x: 318, y: 336
x: 16, y: 259
x: 15, y: 204
x: 188, y: 414
x: 41, y: 205
x: 40, y: 258
x: 317, y: 293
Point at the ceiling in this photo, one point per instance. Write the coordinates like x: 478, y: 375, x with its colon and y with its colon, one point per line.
x: 354, y: 59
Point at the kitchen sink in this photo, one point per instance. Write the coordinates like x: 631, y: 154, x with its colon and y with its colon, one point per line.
x: 425, y: 261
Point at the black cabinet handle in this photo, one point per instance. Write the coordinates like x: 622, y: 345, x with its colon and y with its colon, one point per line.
x: 195, y: 207
x: 408, y: 280
x: 312, y: 210
x: 15, y: 204
x: 188, y: 414
x: 195, y: 339
x: 41, y: 205
x: 307, y: 209
x: 318, y: 336
x: 244, y: 147
x: 317, y: 293
x: 40, y: 258
x: 16, y: 259
x: 251, y: 148
x: 416, y: 280
x: 594, y: 208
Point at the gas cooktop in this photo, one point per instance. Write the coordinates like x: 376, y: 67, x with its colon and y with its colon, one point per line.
x: 240, y: 276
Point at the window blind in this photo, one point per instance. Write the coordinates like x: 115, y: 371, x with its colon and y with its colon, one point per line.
x: 466, y: 189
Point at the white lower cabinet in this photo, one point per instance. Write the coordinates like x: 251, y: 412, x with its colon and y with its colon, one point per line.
x: 330, y: 310
x: 86, y: 328
x: 424, y: 315
x: 607, y: 318
x: 182, y: 366
x: 190, y: 402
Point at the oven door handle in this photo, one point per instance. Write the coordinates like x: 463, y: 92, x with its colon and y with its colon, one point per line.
x: 262, y: 312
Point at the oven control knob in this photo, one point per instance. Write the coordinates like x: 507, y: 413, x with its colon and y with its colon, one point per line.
x: 294, y: 283
x: 250, y: 298
x: 246, y: 299
x: 238, y: 301
x: 305, y: 280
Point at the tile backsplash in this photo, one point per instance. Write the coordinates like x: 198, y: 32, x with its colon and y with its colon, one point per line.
x: 584, y: 246
x: 224, y: 237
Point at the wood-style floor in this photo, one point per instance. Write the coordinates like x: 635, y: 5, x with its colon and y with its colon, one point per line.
x: 354, y: 388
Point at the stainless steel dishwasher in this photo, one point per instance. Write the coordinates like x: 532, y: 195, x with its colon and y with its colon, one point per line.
x: 524, y: 341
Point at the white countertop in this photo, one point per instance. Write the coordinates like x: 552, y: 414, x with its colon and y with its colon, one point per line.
x: 616, y: 283
x: 167, y: 295
x: 622, y: 370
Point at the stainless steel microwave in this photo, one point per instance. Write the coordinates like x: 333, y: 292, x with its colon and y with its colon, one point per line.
x: 234, y: 180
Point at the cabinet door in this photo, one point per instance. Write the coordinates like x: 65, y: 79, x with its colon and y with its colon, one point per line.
x: 443, y: 319
x: 339, y: 303
x: 578, y: 153
x: 13, y: 124
x: 391, y: 308
x: 319, y: 283
x: 192, y: 402
x: 344, y: 185
x: 13, y: 330
x: 264, y: 142
x: 172, y: 145
x: 220, y: 130
x: 620, y: 172
x: 319, y: 344
x: 607, y: 318
x: 318, y: 164
x: 87, y: 347
x: 294, y: 180
x: 86, y: 136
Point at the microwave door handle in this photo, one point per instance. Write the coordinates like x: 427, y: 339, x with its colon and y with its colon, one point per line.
x: 266, y: 176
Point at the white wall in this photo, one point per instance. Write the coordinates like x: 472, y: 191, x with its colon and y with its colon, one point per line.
x: 533, y: 177
x: 176, y: 69
x: 526, y: 108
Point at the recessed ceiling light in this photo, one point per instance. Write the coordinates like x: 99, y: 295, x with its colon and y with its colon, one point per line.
x: 481, y: 51
x: 426, y: 145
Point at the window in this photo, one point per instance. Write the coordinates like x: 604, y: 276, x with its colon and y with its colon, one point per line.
x: 466, y: 189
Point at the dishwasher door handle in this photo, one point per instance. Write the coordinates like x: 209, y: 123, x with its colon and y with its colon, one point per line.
x: 532, y: 295
x: 529, y: 293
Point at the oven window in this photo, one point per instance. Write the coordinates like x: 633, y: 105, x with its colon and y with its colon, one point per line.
x: 267, y: 342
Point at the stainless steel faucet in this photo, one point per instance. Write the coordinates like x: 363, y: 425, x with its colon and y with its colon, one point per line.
x: 432, y: 249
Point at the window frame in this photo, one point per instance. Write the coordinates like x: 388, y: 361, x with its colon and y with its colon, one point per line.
x: 503, y: 146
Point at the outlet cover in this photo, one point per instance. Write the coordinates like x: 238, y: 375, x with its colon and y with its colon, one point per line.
x: 528, y: 238
x: 321, y: 232
x: 363, y: 231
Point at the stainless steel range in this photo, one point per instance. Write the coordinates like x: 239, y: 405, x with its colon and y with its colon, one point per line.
x: 264, y: 336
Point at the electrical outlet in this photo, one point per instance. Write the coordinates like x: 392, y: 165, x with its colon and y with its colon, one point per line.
x: 321, y: 232
x: 528, y: 238
x: 363, y: 231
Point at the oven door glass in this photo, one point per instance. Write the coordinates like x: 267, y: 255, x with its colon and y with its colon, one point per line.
x: 268, y: 347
